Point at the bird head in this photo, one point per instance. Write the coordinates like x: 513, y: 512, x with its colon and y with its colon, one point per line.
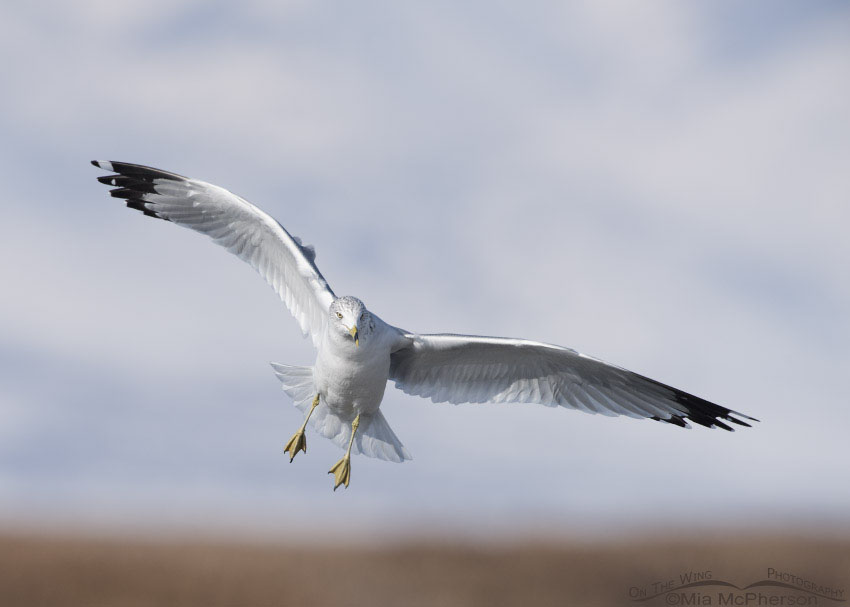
x: 350, y: 319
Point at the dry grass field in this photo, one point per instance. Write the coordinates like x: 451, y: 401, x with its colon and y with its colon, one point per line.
x: 77, y: 570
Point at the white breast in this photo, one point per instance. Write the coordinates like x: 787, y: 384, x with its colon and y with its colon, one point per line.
x: 350, y: 378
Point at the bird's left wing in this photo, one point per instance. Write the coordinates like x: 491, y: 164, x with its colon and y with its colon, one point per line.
x: 464, y: 368
x: 234, y: 223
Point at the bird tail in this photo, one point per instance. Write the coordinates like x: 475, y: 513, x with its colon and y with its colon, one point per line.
x: 374, y: 437
x: 297, y: 383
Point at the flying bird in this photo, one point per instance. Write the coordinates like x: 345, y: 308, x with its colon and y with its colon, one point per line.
x: 357, y: 352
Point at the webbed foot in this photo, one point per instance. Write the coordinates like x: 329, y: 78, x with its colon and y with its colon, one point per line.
x: 341, y: 471
x: 297, y: 443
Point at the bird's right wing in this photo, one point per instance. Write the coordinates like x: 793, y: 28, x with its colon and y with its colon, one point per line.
x: 472, y: 369
x: 234, y: 223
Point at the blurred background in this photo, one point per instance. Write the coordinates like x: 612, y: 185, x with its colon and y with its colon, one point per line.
x: 663, y: 186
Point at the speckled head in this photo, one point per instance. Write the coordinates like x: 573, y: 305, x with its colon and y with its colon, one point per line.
x: 348, y: 316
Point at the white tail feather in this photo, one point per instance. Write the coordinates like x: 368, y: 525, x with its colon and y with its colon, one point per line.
x: 297, y: 383
x: 374, y: 437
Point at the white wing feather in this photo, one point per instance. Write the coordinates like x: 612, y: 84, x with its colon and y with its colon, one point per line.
x: 463, y: 368
x: 234, y: 223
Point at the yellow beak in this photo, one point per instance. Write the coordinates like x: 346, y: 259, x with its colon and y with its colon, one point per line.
x: 355, y: 335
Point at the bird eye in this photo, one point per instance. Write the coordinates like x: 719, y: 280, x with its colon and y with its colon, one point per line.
x: 338, y: 315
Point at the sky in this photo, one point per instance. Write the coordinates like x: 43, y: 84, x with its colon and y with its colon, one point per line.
x: 662, y: 186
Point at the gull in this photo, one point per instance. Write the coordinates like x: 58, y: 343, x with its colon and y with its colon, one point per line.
x: 358, y: 353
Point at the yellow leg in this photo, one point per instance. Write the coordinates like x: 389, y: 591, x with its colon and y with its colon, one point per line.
x: 342, y: 469
x: 298, y: 442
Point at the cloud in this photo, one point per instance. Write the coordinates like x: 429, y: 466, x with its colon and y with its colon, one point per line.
x: 598, y: 176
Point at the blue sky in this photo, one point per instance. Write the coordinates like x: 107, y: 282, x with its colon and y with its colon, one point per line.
x: 662, y: 187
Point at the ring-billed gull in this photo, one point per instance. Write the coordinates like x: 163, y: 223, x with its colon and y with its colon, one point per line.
x: 357, y: 352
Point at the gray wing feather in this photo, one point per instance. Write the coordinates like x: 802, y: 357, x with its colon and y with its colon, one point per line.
x: 465, y: 368
x: 234, y: 223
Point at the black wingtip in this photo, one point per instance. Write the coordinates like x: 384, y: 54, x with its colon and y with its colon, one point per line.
x: 738, y: 421
x: 133, y: 182
x: 139, y: 205
x: 676, y: 420
x: 699, y: 411
x: 138, y: 171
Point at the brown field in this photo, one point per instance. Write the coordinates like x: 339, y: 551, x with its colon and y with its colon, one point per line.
x: 77, y: 570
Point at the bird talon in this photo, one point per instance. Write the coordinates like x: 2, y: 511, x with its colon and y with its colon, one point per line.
x: 342, y: 472
x: 297, y: 443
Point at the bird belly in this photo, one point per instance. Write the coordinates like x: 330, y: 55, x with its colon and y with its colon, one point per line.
x: 352, y: 385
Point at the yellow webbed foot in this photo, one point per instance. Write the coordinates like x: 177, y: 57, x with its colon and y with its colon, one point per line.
x: 297, y: 443
x: 342, y: 472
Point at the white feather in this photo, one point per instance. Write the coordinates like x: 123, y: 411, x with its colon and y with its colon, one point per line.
x: 351, y: 373
x: 247, y: 232
x: 466, y: 368
x: 374, y: 437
